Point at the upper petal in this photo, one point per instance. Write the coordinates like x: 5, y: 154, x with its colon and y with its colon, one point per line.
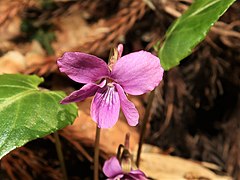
x: 120, y: 50
x: 128, y: 108
x: 105, y: 107
x: 112, y: 168
x: 86, y: 91
x: 138, y: 72
x: 83, y: 68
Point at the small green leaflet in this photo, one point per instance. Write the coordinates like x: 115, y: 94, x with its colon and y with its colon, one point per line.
x: 27, y: 112
x: 190, y: 29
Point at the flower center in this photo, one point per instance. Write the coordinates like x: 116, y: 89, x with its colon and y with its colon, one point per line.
x: 109, y: 82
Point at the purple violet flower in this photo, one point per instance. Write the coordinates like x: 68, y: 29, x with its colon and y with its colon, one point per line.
x: 135, y: 74
x: 113, y: 170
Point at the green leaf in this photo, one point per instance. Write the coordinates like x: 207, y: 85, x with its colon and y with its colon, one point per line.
x: 27, y: 112
x: 190, y: 29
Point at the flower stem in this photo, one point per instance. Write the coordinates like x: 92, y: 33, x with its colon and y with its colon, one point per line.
x: 144, y: 125
x: 96, y: 153
x: 60, y: 155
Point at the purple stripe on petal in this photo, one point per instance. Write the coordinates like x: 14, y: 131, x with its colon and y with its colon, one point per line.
x: 128, y: 108
x: 81, y: 94
x: 83, y: 68
x: 138, y: 72
x: 112, y: 168
x: 105, y: 107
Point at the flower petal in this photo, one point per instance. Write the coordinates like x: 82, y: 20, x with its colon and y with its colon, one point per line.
x: 128, y: 108
x: 105, y: 107
x: 136, y: 175
x: 83, y: 68
x: 138, y: 72
x: 87, y: 90
x: 112, y: 168
x: 118, y: 177
x: 120, y: 50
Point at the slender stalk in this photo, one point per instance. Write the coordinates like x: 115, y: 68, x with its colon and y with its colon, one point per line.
x: 96, y: 153
x: 127, y: 141
x: 144, y: 125
x: 60, y: 155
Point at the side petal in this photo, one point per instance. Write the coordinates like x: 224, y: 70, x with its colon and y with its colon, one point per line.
x: 83, y: 68
x: 112, y: 168
x: 138, y: 72
x: 128, y: 108
x: 105, y: 107
x: 87, y: 90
